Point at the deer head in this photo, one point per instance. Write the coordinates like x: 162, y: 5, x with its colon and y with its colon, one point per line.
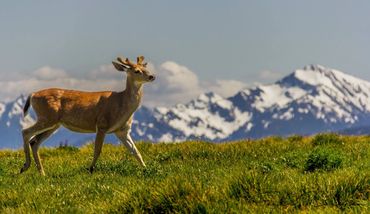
x: 137, y: 72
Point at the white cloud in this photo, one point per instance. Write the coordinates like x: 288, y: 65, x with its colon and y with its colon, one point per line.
x: 178, y: 84
x: 48, y: 73
x: 174, y: 83
x: 176, y: 77
x: 224, y: 88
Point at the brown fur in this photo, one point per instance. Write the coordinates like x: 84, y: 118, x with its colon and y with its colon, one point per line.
x: 87, y: 112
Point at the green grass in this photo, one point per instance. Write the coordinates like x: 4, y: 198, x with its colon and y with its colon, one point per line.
x: 322, y: 174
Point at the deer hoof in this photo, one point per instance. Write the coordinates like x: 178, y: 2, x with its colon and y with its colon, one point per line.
x: 91, y: 169
x: 24, y: 168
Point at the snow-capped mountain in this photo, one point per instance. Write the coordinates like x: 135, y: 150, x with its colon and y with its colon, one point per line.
x: 312, y: 99
x: 309, y: 100
x: 208, y: 117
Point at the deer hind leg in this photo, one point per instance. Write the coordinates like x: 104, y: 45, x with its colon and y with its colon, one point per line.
x: 125, y: 138
x: 38, y: 128
x: 99, y: 140
x: 35, y: 144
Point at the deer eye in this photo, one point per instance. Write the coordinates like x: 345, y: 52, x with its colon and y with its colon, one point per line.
x: 136, y: 72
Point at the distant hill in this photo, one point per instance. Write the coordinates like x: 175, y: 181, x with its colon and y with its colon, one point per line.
x: 307, y: 101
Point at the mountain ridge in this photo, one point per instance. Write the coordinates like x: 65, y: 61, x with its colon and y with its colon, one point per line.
x: 307, y: 101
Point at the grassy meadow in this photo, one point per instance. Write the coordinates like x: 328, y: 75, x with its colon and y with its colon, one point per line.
x: 326, y: 174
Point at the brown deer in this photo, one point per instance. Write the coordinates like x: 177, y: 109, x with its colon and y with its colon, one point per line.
x: 101, y: 112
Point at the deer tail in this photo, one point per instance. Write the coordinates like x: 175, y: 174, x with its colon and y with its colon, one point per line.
x: 26, y: 106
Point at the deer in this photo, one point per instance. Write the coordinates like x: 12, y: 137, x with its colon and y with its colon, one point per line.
x: 102, y: 112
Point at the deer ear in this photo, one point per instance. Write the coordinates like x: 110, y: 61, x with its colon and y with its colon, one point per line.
x: 119, y: 66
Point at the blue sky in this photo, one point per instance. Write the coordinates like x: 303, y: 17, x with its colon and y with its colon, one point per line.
x: 247, y: 41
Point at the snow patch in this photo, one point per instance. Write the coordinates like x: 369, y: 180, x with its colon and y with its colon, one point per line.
x: 277, y: 95
x: 249, y: 126
x: 2, y: 109
x: 26, y: 122
x: 166, y: 138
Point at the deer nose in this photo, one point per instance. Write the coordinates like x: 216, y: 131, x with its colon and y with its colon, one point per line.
x: 151, y: 78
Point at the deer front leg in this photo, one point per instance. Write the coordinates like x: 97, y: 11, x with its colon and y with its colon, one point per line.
x: 99, y: 140
x: 125, y: 138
